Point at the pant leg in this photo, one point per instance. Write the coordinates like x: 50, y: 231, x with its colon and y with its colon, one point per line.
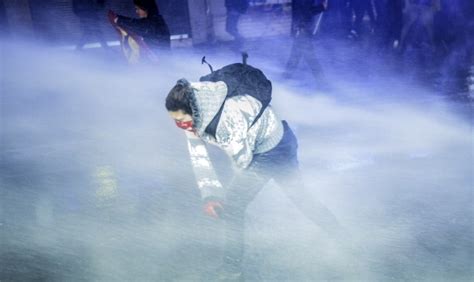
x: 84, y: 25
x: 90, y: 29
x: 370, y: 12
x: 232, y: 22
x: 294, y: 188
x: 310, y: 57
x: 303, y: 47
x: 287, y: 175
x: 359, y: 11
x: 296, y: 54
x: 241, y: 191
x: 97, y: 31
x: 409, y: 19
x: 427, y: 19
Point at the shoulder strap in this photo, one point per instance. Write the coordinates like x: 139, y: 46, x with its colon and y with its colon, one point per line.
x: 212, y: 126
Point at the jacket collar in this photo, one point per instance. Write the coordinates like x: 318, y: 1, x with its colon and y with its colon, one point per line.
x: 206, y: 101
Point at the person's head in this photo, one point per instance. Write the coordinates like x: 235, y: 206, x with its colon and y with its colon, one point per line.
x: 145, y: 8
x: 140, y: 12
x: 178, y: 104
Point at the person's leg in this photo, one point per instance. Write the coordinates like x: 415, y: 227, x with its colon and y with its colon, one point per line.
x: 347, y: 13
x: 371, y: 14
x: 84, y: 27
x: 313, y: 61
x: 307, y: 203
x: 427, y: 19
x: 97, y: 31
x: 296, y: 54
x: 359, y: 11
x: 308, y: 51
x: 241, y: 191
x: 409, y: 18
x: 287, y: 175
x: 232, y: 22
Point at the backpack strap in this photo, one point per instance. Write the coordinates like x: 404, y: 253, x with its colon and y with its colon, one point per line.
x: 203, y: 61
x: 212, y: 126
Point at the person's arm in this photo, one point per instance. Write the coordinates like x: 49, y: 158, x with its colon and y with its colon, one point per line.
x: 208, y: 184
x: 163, y: 32
x: 138, y: 26
x: 232, y: 132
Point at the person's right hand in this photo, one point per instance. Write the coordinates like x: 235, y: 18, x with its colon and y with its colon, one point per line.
x: 213, y: 208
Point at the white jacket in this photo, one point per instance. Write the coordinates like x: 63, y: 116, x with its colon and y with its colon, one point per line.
x: 234, y: 133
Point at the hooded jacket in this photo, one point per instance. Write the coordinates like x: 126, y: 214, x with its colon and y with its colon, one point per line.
x: 234, y: 133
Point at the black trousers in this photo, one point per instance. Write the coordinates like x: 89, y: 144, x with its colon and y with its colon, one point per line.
x: 90, y: 30
x: 303, y: 48
x: 231, y: 24
x: 360, y: 7
x: 280, y: 164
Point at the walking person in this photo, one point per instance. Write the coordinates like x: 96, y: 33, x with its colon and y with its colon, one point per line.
x: 235, y: 8
x: 302, y: 29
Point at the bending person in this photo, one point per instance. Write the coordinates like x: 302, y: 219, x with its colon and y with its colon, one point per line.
x: 261, y: 149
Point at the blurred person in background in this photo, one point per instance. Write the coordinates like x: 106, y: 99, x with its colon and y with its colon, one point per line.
x: 235, y: 8
x: 302, y: 29
x: 420, y: 12
x: 150, y: 25
x: 87, y: 12
x: 361, y: 7
x: 389, y: 22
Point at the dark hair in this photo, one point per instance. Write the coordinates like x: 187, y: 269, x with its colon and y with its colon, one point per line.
x: 148, y: 5
x: 179, y: 97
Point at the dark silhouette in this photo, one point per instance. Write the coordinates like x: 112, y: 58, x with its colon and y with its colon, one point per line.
x: 302, y: 27
x: 150, y: 25
x: 235, y: 8
x: 87, y: 11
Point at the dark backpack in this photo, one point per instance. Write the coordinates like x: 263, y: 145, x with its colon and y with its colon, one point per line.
x: 241, y: 79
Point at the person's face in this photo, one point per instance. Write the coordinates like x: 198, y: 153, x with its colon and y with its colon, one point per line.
x: 140, y: 12
x: 182, y: 120
x: 180, y: 115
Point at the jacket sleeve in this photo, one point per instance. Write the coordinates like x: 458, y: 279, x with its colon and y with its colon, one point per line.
x: 206, y: 178
x: 232, y: 133
x: 138, y: 26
